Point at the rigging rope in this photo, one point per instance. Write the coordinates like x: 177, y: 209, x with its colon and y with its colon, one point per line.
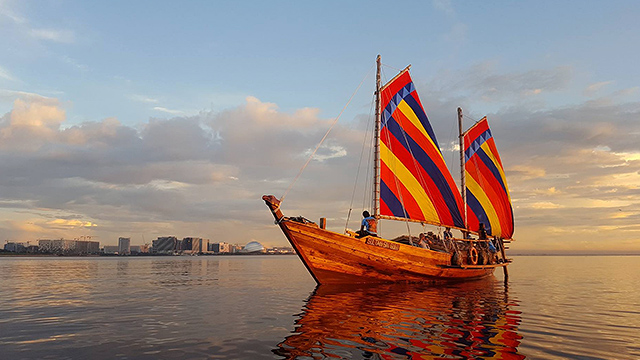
x: 353, y: 194
x: 368, y: 189
x: 325, y: 136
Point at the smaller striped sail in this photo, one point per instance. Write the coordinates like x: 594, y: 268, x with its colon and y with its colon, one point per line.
x: 487, y: 191
x: 415, y: 182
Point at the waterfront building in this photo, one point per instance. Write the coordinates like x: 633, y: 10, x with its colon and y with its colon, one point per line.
x: 140, y: 249
x: 166, y: 245
x: 124, y: 246
x: 110, y: 249
x: 15, y: 247
x: 86, y: 247
x: 69, y: 247
x: 187, y: 244
x: 195, y: 245
x: 220, y: 248
x: 280, y: 250
x: 253, y: 247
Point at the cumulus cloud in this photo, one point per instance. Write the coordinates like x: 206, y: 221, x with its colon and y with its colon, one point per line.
x: 571, y: 170
x: 192, y: 173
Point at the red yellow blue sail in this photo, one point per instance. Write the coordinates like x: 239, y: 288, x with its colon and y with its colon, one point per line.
x: 487, y: 191
x: 415, y: 182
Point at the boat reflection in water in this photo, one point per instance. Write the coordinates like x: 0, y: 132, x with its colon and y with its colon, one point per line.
x: 407, y: 321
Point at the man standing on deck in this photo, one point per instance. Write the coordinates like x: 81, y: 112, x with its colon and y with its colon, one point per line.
x: 369, y: 225
x: 482, y: 233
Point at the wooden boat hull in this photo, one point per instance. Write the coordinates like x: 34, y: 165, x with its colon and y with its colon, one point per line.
x: 333, y: 258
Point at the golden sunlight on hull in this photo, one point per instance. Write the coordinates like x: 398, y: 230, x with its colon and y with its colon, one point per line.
x: 334, y: 258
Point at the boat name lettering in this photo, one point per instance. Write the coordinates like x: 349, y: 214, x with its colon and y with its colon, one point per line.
x: 382, y: 244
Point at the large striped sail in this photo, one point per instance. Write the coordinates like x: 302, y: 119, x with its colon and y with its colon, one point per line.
x: 487, y: 191
x: 415, y: 183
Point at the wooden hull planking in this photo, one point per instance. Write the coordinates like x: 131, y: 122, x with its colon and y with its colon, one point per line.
x: 333, y: 258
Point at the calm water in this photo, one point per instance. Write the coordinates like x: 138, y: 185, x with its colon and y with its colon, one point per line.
x: 267, y: 307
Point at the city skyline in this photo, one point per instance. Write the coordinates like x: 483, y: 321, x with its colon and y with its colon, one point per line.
x: 121, y: 119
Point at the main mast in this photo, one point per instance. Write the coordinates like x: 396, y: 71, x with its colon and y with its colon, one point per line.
x: 376, y: 160
x: 463, y: 184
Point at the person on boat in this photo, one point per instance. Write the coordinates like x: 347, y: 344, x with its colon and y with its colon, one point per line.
x: 493, y: 252
x: 423, y: 241
x: 482, y: 233
x: 447, y: 233
x: 368, y: 226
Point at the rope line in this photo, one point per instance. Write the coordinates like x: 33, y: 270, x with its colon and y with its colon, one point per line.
x: 355, y: 184
x: 325, y: 136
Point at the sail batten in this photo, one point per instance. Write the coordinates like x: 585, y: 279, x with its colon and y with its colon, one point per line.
x: 415, y: 182
x: 486, y: 186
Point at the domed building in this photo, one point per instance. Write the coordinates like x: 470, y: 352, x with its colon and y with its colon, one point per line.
x: 253, y: 247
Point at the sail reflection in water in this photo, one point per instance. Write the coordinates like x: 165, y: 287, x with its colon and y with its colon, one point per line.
x: 469, y: 320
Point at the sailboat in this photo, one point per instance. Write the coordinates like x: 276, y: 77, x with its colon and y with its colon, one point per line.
x: 413, y: 184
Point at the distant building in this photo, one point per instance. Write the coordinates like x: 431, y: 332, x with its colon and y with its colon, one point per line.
x: 280, y: 250
x: 87, y: 247
x: 166, y: 245
x: 253, y: 247
x: 140, y: 249
x: 124, y: 246
x: 187, y: 244
x: 15, y: 247
x: 110, y: 249
x: 69, y: 247
x: 220, y: 248
x: 195, y: 245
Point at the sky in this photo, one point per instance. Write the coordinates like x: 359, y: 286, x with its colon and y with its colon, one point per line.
x: 155, y: 118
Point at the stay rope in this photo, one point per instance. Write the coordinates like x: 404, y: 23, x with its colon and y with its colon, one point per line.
x: 325, y: 136
x: 355, y: 184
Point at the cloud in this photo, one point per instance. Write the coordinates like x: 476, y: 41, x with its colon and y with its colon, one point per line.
x: 168, y: 111
x: 444, y: 5
x: 74, y: 63
x: 592, y: 89
x: 60, y: 36
x: 11, y: 95
x: 4, y: 74
x: 570, y: 169
x: 7, y: 12
x: 196, y: 173
x: 143, y: 99
x: 73, y: 223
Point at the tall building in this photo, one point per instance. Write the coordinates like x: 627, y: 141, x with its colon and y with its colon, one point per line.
x: 220, y: 248
x: 195, y: 245
x: 124, y: 246
x: 166, y: 245
x: 187, y: 244
x: 69, y: 247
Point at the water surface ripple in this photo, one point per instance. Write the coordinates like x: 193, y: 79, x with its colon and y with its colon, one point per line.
x: 267, y: 307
